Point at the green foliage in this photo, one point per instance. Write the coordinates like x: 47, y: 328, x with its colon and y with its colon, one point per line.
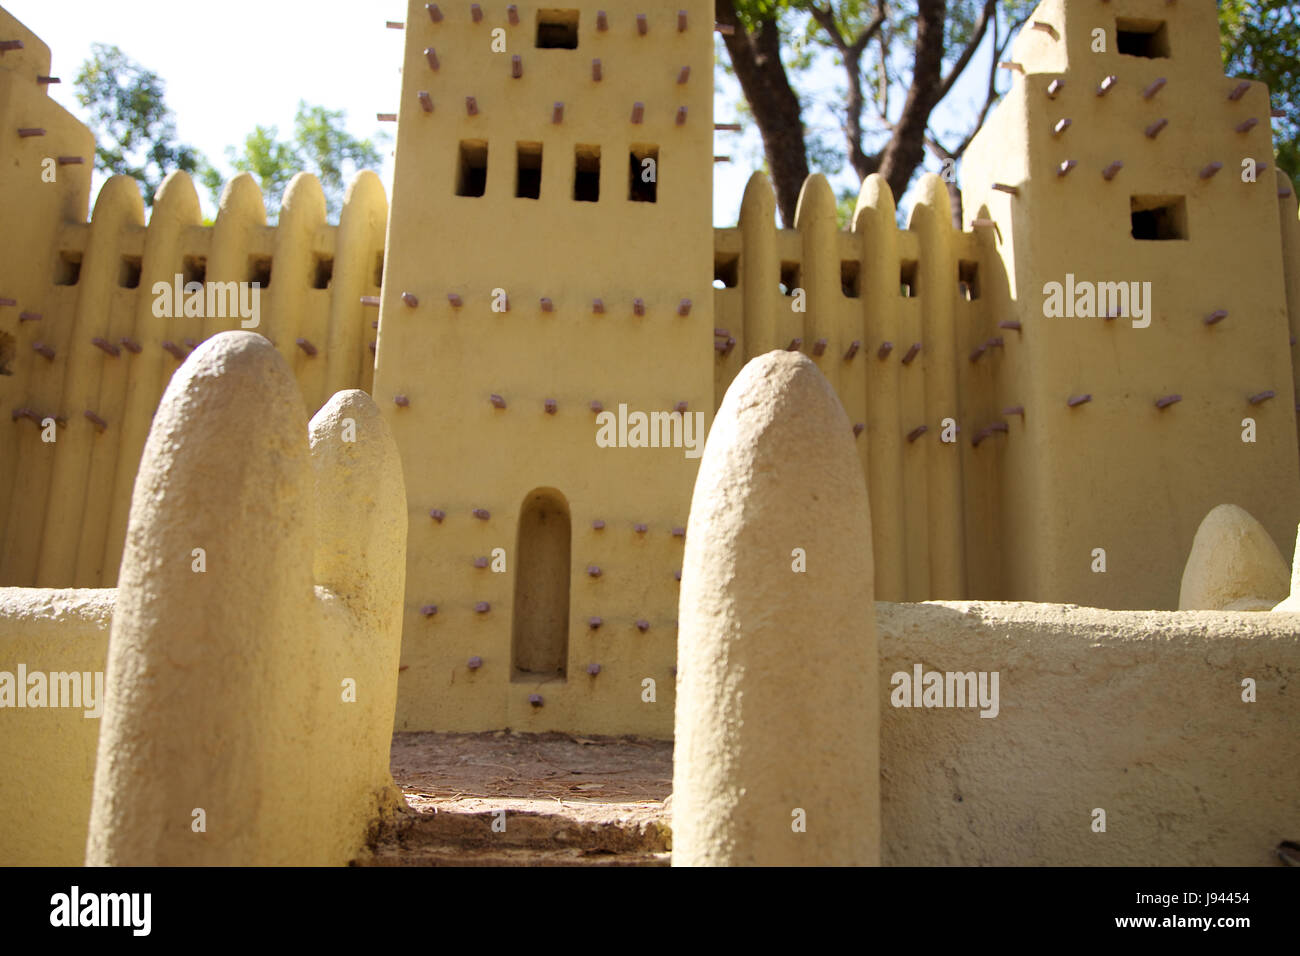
x: 135, y: 132
x: 1260, y: 39
x: 320, y: 145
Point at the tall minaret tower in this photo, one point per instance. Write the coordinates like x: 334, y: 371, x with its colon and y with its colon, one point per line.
x: 548, y: 258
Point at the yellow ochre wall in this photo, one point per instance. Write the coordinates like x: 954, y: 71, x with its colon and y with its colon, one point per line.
x: 459, y: 452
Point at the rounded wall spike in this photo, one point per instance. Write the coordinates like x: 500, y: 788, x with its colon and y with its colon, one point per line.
x: 471, y: 106
x: 642, y: 26
x: 512, y: 14
x: 680, y: 407
x: 1107, y: 85
x: 1014, y: 410
x: 536, y: 700
x: 640, y: 528
x: 516, y: 66
x: 681, y: 116
x: 977, y: 352
x: 480, y: 562
x: 596, y: 72
x: 481, y: 513
x: 1061, y: 126
x: 1109, y: 172
x: 598, y: 306
x: 27, y: 131
x: 1003, y: 187
x: 550, y: 405
x: 557, y: 114
x: 679, y: 532
x: 1009, y: 324
x: 593, y: 669
x: 1000, y: 427
x: 191, y: 345
x: 593, y: 571
x: 1075, y: 400
x: 917, y: 432
x: 1066, y: 166
x: 374, y: 348
x: 482, y: 607
x: 1012, y: 65
x: 819, y: 347
x: 476, y: 13
x: 455, y: 300
x: 1154, y: 129
x: 175, y: 351
x: 547, y: 305
x: 1261, y: 397
x: 437, y: 514
x: 594, y: 623
x: 426, y: 101
x: 1168, y: 400
x: 852, y: 350
x: 106, y: 346
x: 1210, y: 170
x: 429, y: 610
x: 911, y: 353
x: 638, y: 307
x: 497, y: 401
x: 677, y: 575
x: 474, y: 663
x: 370, y: 300
x: 681, y: 21
x: 410, y: 300
x: 638, y: 112
x: 1046, y: 28
x: 1054, y: 89
x: 431, y: 56
x: 306, y: 346
x: 1239, y: 91
x: 1214, y: 318
x: 598, y: 524
x: 643, y: 625
x: 884, y: 350
x: 596, y: 406
x: 683, y: 74
x: 401, y: 401
x: 71, y: 160
x: 980, y: 435
x: 1245, y: 126
x: 434, y: 13
x: 602, y: 21
x: 684, y: 307
x: 131, y: 345
x: 858, y: 429
x: 794, y: 345
x: 1154, y: 88
x: 95, y: 420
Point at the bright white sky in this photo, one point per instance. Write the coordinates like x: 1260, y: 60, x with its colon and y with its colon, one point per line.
x: 223, y: 78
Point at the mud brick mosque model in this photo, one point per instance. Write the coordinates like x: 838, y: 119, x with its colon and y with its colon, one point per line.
x: 543, y: 268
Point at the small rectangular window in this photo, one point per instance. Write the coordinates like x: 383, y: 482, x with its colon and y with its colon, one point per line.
x: 1158, y: 217
x: 850, y: 278
x: 471, y: 168
x: 195, y: 269
x: 907, y: 280
x: 643, y: 174
x: 528, y: 170
x: 1145, y: 38
x: 789, y: 277
x: 322, y: 273
x: 586, y: 173
x: 259, y: 270
x: 67, y: 270
x: 726, y: 270
x: 128, y: 273
x: 557, y: 29
x: 968, y: 279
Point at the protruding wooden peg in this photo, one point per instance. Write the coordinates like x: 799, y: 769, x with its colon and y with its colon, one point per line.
x: 1066, y: 166
x: 819, y: 347
x: 401, y: 401
x: 370, y: 300
x: 437, y: 514
x: 1061, y: 126
x: 426, y: 101
x: 1246, y: 125
x: 174, y: 350
x: 516, y: 66
x: 638, y: 307
x: 1154, y: 129
x: 386, y: 117
x: 1046, y: 28
x: 1208, y: 171
x: 306, y: 346
x: 557, y: 114
x: 497, y: 401
x: 642, y: 25
x: 106, y: 346
x: 131, y: 345
x: 40, y: 348
x: 455, y: 300
x: 410, y: 299
x: 597, y: 406
x: 512, y: 15
x: 1012, y: 65
x: 1075, y: 400
x: 1239, y: 91
x: 481, y: 513
x: 911, y: 353
x: 471, y: 106
x: 1261, y: 397
x: 684, y: 307
x: 95, y: 420
x: 917, y: 432
x: 1215, y: 317
x: 602, y: 21
x: 1107, y: 85
x: 28, y: 131
x: 431, y: 56
x: 852, y: 350
x: 726, y: 29
x: 683, y: 74
x: 681, y: 21
x: 547, y: 305
x: 476, y: 12
x: 1153, y: 88
x: 1109, y: 172
x: 1054, y: 89
x: 598, y: 306
x: 795, y: 345
x: 1003, y: 187
x: 884, y: 350
x: 1168, y: 400
x: 434, y: 13
x: 681, y: 116
x: 638, y: 111
x: 596, y: 72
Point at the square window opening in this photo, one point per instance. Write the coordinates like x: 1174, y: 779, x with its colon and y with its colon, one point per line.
x: 968, y: 279
x: 195, y: 269
x: 790, y: 272
x: 128, y: 272
x: 643, y: 173
x: 586, y: 173
x: 322, y: 273
x: 471, y: 167
x: 557, y: 30
x: 907, y: 279
x: 1144, y: 38
x: 259, y: 270
x: 67, y: 270
x: 851, y: 278
x: 726, y: 270
x: 1158, y: 217
x: 528, y: 170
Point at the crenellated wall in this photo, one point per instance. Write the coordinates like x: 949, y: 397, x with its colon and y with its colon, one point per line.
x: 81, y: 337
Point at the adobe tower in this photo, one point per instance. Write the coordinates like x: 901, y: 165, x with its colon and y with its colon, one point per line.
x: 547, y: 259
